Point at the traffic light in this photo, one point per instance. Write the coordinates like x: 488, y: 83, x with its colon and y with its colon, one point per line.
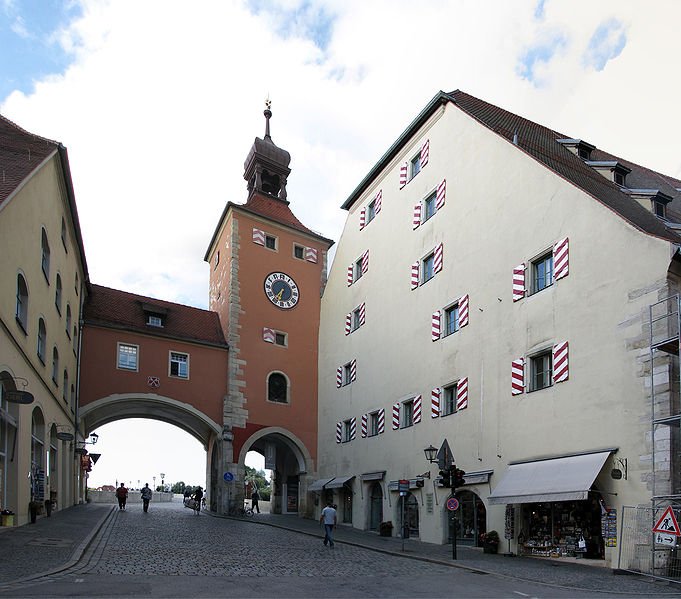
x: 445, y: 478
x: 458, y: 477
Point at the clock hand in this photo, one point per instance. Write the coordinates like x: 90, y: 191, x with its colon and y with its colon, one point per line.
x: 278, y: 296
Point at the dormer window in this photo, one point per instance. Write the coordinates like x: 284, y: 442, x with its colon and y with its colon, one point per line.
x: 578, y: 146
x: 154, y: 316
x: 154, y: 321
x: 660, y: 209
x: 584, y: 153
x: 618, y: 177
x: 610, y: 169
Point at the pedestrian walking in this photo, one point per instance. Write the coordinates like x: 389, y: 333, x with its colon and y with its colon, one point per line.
x: 329, y: 520
x: 146, y: 497
x: 122, y: 496
x: 198, y: 497
x: 255, y: 497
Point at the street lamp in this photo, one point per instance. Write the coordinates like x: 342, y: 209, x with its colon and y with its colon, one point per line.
x: 163, y: 484
x: 431, y: 453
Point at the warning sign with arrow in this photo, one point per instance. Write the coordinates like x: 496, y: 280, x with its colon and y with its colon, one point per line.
x: 667, y: 524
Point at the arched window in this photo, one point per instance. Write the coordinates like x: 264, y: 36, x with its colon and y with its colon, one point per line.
x: 63, y: 233
x: 22, y: 302
x: 75, y: 338
x: 45, y: 256
x: 42, y: 340
x: 55, y: 365
x: 73, y: 397
x: 65, y: 389
x: 57, y: 294
x: 68, y: 320
x: 277, y: 388
x: 37, y: 456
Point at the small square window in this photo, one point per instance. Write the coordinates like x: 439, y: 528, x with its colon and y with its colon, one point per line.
x: 429, y: 208
x: 373, y: 424
x: 448, y: 400
x: 179, y: 365
x: 281, y: 339
x: 542, y: 272
x: 540, y: 371
x: 452, y: 319
x: 371, y: 211
x: 356, y: 319
x: 347, y: 431
x: 299, y: 252
x: 428, y: 267
x: 416, y: 165
x: 270, y: 242
x: 127, y: 356
x: 407, y: 414
x: 154, y: 321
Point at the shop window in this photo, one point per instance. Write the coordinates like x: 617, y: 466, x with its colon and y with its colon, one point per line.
x: 452, y: 319
x: 277, y: 388
x: 449, y: 399
x: 42, y: 340
x: 127, y: 356
x: 540, y: 371
x: 45, y: 256
x: 179, y: 365
x: 542, y: 272
x: 407, y: 419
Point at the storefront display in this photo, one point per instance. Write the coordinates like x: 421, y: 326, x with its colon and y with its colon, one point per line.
x: 567, y: 528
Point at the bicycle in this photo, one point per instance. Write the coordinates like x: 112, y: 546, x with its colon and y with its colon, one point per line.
x: 241, y: 512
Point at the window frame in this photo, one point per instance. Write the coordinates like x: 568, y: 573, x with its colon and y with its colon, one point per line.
x: 45, y: 255
x: 427, y: 268
x: 296, y: 247
x: 176, y: 354
x: 429, y: 200
x: 535, y: 277
x: 659, y: 209
x: 67, y: 325
x: 533, y: 374
x: 373, y: 428
x: 357, y: 270
x: 415, y: 166
x: 452, y: 309
x: 21, y: 310
x: 407, y: 414
x: 275, y: 242
x: 371, y: 211
x: 449, y: 399
x: 63, y: 234
x: 65, y: 386
x: 154, y: 320
x: 41, y: 344
x: 278, y: 334
x: 356, y: 319
x: 347, y: 430
x: 287, y: 398
x: 347, y: 374
x: 55, y: 365
x: 119, y: 366
x: 58, y: 293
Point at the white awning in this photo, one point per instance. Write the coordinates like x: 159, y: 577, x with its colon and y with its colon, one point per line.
x: 318, y: 485
x: 338, y: 482
x: 558, y: 479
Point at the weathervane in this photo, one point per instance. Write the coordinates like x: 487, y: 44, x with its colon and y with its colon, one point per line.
x: 268, y: 115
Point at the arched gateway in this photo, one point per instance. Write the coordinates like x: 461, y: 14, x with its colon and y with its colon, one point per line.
x: 241, y: 376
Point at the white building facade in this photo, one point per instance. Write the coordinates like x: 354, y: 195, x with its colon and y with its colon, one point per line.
x: 491, y: 288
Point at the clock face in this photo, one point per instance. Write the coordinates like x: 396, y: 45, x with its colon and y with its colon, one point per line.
x: 281, y: 290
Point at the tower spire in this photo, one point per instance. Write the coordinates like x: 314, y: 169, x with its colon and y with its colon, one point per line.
x: 268, y: 116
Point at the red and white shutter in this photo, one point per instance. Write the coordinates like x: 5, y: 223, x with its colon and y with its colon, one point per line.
x: 561, y: 260
x: 379, y: 201
x: 353, y: 371
x: 348, y: 323
x: 365, y: 425
x: 403, y: 174
x: 268, y: 335
x: 435, y: 326
x: 339, y: 432
x: 362, y: 219
x: 311, y: 255
x: 381, y: 421
x: 415, y: 275
x: 353, y: 428
x: 365, y: 262
x: 435, y: 402
x: 518, y: 376
x: 351, y: 271
x: 463, y: 310
x: 258, y: 236
x: 441, y: 192
x: 519, y: 282
x: 396, y: 416
x: 438, y: 259
x: 417, y: 409
x: 425, y: 153
x: 362, y: 313
x: 560, y: 362
x: 462, y: 394
x: 416, y: 221
x: 339, y: 377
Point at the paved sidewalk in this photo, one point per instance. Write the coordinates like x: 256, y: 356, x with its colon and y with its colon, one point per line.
x: 51, y: 544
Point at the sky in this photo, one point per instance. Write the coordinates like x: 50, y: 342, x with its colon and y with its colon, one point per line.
x: 158, y: 103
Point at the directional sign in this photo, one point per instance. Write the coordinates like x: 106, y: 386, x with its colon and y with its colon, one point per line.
x: 664, y: 539
x: 452, y: 504
x: 667, y: 524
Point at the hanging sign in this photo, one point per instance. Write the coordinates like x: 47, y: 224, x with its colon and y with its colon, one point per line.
x: 667, y: 524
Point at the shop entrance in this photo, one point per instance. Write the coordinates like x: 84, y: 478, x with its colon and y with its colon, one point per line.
x: 375, y: 506
x: 411, y: 513
x: 471, y: 519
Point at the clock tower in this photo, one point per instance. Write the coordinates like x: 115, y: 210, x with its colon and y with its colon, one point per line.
x: 267, y: 274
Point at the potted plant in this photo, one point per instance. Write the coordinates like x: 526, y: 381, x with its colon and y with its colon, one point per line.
x: 7, y: 517
x: 490, y: 542
x: 385, y: 529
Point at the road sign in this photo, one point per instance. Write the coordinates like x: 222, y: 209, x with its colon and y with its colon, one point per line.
x: 452, y: 504
x: 667, y: 524
x: 229, y: 477
x: 664, y: 539
x: 445, y: 457
x: 403, y: 487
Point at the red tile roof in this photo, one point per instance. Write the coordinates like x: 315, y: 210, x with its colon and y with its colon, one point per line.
x: 112, y: 308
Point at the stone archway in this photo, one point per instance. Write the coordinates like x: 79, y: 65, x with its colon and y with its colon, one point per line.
x: 290, y: 462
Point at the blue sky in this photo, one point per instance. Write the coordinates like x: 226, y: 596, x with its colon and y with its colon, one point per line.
x: 29, y: 43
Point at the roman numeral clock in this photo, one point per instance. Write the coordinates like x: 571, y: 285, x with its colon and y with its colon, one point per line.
x: 281, y: 290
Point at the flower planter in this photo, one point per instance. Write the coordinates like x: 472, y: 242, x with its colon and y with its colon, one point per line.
x: 8, y: 519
